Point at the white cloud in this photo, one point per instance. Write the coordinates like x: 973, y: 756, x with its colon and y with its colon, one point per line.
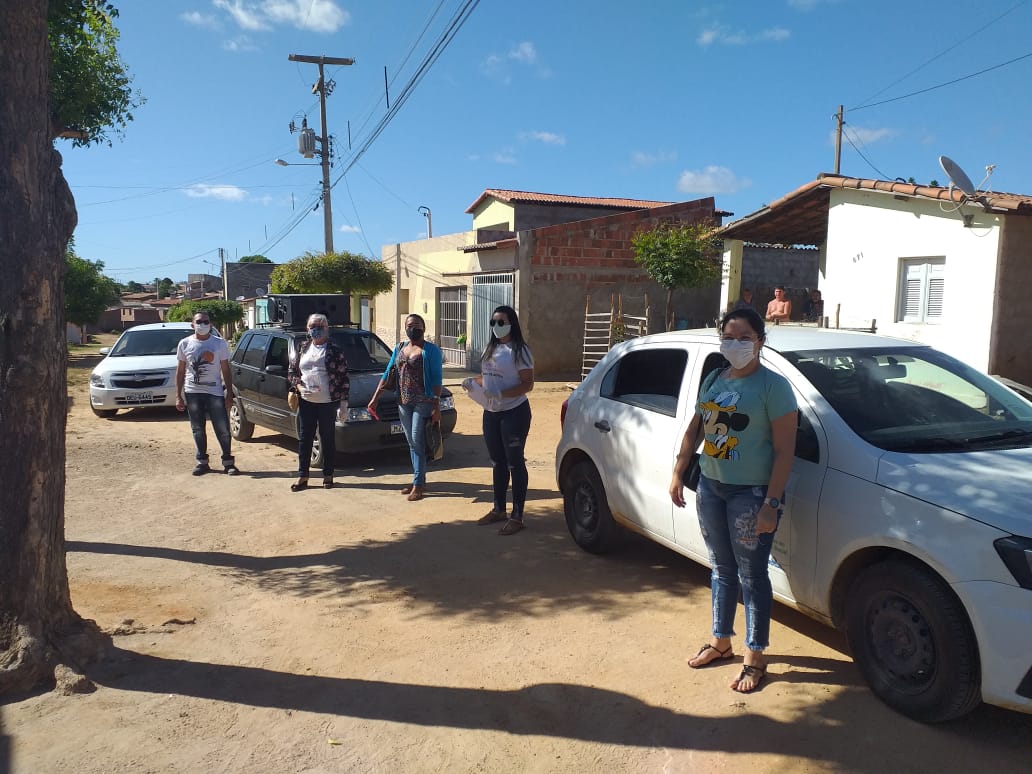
x: 239, y: 43
x: 504, y: 157
x: 199, y: 19
x: 804, y: 5
x: 548, y: 138
x: 228, y: 193
x: 718, y: 33
x: 313, y: 15
x: 863, y: 135
x: 711, y: 180
x: 641, y: 159
x: 348, y: 229
x: 524, y: 52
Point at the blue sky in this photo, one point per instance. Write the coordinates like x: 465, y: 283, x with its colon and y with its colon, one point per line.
x: 666, y: 100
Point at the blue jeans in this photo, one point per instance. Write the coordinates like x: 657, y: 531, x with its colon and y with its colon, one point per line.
x: 311, y: 415
x: 727, y: 518
x: 201, y: 406
x: 413, y: 420
x: 505, y: 433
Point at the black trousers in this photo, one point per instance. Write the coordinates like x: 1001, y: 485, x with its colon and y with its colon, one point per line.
x: 505, y: 433
x: 310, y: 416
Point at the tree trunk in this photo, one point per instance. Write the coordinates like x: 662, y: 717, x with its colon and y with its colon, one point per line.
x: 38, y: 627
x: 670, y: 309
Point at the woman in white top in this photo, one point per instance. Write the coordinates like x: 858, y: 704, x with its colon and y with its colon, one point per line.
x: 506, y: 375
x: 318, y: 373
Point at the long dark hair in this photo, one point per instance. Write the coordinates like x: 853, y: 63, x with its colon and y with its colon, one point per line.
x: 517, y: 343
x: 751, y: 317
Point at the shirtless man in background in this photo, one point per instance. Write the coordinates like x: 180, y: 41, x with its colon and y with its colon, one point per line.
x: 780, y: 308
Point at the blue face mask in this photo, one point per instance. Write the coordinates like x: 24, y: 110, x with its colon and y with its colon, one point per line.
x: 317, y: 332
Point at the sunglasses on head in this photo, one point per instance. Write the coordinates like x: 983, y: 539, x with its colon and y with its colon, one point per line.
x: 498, y: 322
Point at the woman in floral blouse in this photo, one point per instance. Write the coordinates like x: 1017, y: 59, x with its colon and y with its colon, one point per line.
x: 318, y: 373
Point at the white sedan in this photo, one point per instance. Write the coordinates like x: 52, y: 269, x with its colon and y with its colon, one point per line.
x: 907, y: 519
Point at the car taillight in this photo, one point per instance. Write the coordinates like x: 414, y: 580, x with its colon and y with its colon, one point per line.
x: 562, y: 413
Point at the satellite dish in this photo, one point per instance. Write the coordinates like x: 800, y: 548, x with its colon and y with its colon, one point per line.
x: 261, y: 292
x: 957, y: 176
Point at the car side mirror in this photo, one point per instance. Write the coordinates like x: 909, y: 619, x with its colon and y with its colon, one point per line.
x: 103, y: 350
x: 275, y: 369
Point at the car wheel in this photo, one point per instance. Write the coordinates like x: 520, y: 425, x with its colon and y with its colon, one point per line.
x: 239, y: 426
x: 913, y: 642
x: 587, y: 511
x: 104, y: 413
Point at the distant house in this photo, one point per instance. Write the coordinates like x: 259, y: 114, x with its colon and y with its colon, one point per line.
x: 927, y: 263
x: 547, y: 255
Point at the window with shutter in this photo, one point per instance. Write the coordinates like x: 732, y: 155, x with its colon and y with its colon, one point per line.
x: 922, y: 286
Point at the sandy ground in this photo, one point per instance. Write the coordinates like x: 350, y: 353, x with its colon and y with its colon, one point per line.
x: 258, y: 630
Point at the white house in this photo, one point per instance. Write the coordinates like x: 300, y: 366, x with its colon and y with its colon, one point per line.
x: 927, y: 263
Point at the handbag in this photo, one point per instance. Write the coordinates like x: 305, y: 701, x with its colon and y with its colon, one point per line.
x: 391, y: 381
x: 434, y: 441
x: 293, y: 400
x: 690, y: 477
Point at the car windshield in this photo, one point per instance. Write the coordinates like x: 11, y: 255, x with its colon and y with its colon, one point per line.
x: 363, y: 350
x: 917, y: 399
x: 154, y: 342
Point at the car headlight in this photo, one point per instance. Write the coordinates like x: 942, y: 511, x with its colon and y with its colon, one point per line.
x: 96, y: 380
x: 447, y: 403
x: 1016, y: 553
x: 359, y: 415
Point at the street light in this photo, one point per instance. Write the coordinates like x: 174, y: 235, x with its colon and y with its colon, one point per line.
x: 429, y: 223
x: 283, y: 163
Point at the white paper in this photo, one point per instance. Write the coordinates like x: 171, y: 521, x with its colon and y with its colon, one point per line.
x: 476, y: 392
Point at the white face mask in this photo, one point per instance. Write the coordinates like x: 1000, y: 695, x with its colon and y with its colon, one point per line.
x: 203, y: 329
x: 501, y: 331
x: 738, y: 353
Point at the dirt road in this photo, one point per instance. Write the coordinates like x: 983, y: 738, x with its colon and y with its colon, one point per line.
x: 258, y: 630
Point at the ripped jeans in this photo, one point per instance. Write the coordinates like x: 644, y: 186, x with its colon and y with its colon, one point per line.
x: 505, y: 433
x: 727, y: 518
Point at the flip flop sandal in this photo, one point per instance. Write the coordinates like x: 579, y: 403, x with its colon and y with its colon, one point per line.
x: 492, y: 517
x: 756, y: 673
x: 722, y: 655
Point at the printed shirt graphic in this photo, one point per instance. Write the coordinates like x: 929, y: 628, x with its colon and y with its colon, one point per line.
x: 736, y: 415
x: 501, y: 372
x: 315, y: 379
x: 203, y: 363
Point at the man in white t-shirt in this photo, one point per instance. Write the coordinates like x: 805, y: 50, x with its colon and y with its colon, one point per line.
x: 204, y: 389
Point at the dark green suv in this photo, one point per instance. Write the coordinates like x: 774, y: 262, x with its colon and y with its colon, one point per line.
x: 259, y: 366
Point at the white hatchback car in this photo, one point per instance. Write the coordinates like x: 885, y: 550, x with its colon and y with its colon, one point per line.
x: 907, y: 517
x: 139, y: 370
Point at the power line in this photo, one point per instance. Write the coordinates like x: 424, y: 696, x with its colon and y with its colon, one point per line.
x: 881, y: 174
x: 948, y: 83
x: 940, y: 55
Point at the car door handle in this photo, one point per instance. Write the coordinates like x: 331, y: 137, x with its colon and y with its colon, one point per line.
x: 603, y: 425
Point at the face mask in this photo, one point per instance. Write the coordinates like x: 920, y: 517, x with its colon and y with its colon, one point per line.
x: 203, y: 329
x: 415, y: 334
x: 317, y: 333
x: 501, y: 331
x: 738, y: 353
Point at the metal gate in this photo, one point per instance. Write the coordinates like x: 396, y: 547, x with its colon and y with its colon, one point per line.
x: 451, y: 324
x: 489, y: 292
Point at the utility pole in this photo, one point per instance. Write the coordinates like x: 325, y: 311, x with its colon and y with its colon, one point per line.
x: 225, y: 277
x: 838, y: 139
x: 324, y: 89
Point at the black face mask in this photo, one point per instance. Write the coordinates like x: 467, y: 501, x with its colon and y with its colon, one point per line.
x: 416, y: 334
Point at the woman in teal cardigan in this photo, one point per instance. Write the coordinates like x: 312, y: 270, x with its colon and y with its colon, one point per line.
x: 420, y: 367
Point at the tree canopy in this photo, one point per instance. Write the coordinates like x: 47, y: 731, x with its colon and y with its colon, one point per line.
x: 222, y: 313
x: 87, y: 291
x: 331, y: 273
x: 679, y: 255
x: 254, y: 259
x: 90, y: 86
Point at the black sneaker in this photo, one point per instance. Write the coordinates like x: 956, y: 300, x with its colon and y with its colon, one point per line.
x: 232, y: 470
x: 201, y: 468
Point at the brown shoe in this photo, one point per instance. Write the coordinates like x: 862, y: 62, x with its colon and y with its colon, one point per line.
x: 511, y: 527
x: 416, y: 493
x: 492, y: 517
x: 407, y: 489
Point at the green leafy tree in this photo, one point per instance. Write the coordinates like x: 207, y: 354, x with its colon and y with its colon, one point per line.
x: 165, y: 288
x: 58, y: 70
x: 223, y: 314
x: 678, y: 255
x: 90, y: 86
x: 331, y: 273
x: 133, y: 287
x: 87, y: 291
x: 254, y: 259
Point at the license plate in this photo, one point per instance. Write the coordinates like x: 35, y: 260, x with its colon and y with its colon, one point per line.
x: 139, y: 397
x: 396, y: 428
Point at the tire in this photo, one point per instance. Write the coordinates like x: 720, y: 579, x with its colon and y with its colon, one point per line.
x: 239, y: 426
x: 104, y: 413
x: 587, y: 511
x: 913, y: 642
x: 317, y: 451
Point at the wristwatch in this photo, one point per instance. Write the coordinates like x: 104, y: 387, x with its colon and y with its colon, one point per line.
x: 773, y: 502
